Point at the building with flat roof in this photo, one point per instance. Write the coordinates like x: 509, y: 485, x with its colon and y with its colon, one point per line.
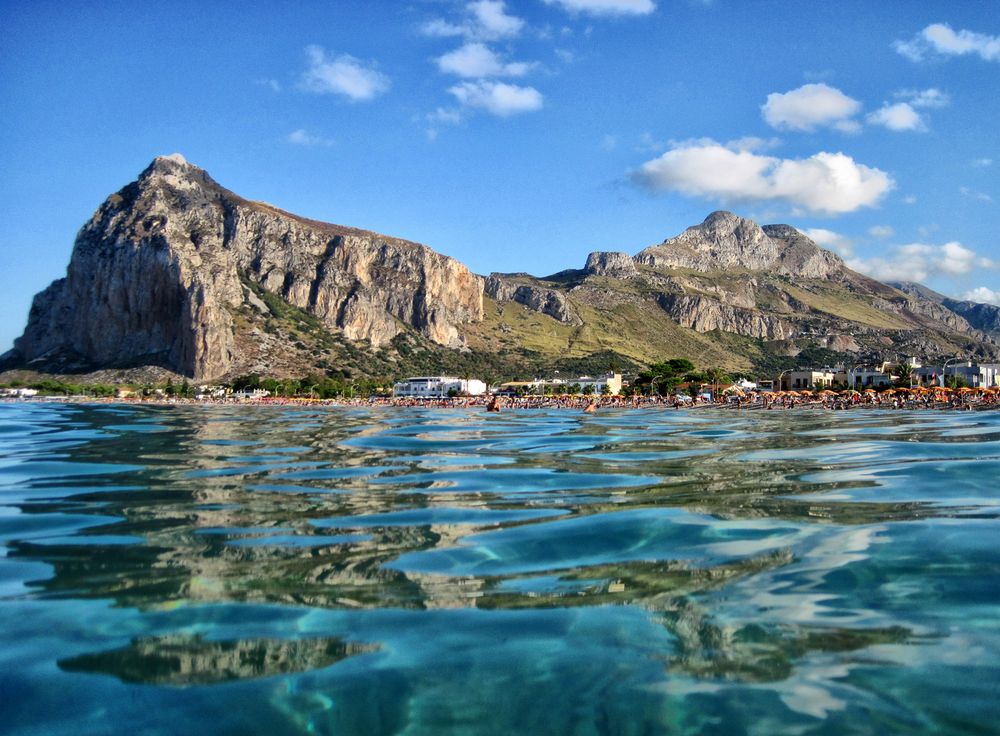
x: 806, y: 379
x: 437, y: 387
x: 608, y: 383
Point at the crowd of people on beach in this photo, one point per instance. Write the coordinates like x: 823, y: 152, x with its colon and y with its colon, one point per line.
x: 899, y: 398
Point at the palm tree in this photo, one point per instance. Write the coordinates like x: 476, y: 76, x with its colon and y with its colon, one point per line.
x: 905, y: 371
x: 716, y: 376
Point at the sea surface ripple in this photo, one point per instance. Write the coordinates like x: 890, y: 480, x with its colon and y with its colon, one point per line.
x: 432, y: 571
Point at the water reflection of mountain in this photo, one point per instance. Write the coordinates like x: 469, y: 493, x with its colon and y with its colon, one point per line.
x: 191, y: 660
x: 219, y: 494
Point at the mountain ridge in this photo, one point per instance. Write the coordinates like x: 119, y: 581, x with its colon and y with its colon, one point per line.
x: 176, y: 271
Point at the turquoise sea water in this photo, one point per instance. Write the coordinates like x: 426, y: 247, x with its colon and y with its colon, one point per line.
x: 388, y: 571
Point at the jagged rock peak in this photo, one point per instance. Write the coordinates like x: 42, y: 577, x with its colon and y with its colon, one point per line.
x: 722, y: 224
x: 175, y: 158
x: 173, y: 163
x: 727, y: 241
x: 614, y: 264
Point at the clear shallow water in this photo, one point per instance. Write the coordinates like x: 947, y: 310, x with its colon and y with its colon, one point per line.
x: 340, y: 571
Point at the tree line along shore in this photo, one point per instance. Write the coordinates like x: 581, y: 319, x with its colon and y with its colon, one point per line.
x: 964, y: 399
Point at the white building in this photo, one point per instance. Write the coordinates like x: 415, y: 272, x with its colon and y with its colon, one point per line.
x: 435, y: 387
x: 612, y: 382
x: 806, y: 379
x: 251, y: 394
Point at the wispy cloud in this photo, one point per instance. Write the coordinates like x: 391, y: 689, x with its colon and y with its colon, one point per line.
x: 302, y: 137
x: 973, y: 194
x: 881, y: 231
x: 272, y: 84
x: 981, y: 163
x: 831, y: 240
x: 497, y: 98
x: 924, y: 98
x: 811, y: 106
x: 825, y: 183
x: 606, y: 7
x: 939, y: 39
x: 342, y: 75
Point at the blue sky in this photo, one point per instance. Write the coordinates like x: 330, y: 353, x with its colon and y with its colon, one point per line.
x: 519, y: 135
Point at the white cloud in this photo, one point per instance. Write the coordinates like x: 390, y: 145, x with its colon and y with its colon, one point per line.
x: 606, y: 7
x: 492, y: 18
x: 982, y: 163
x: 982, y: 295
x: 811, y: 106
x: 476, y: 60
x: 927, y: 98
x: 343, y: 75
x: 485, y: 20
x: 830, y: 240
x: 302, y: 137
x: 827, y: 183
x: 881, y: 231
x: 910, y: 199
x: 898, y: 116
x: 498, y: 98
x: 941, y: 39
x: 918, y: 261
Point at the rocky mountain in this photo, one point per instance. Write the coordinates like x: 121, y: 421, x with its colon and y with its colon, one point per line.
x: 161, y: 274
x: 730, y: 292
x: 176, y: 271
x: 984, y: 317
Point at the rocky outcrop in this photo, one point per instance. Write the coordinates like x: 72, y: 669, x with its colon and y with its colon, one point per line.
x: 982, y: 317
x: 546, y: 301
x: 725, y: 241
x: 614, y: 265
x: 155, y: 277
x: 841, y: 344
x: 923, y: 307
x: 704, y: 314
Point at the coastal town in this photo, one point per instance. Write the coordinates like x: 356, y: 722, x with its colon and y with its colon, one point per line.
x: 675, y: 383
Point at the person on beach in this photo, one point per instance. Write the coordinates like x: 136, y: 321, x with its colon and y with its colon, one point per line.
x: 590, y: 408
x: 494, y: 404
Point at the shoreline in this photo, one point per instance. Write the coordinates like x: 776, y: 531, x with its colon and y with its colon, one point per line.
x: 531, y: 403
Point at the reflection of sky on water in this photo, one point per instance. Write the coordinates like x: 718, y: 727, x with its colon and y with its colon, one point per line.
x: 425, y: 571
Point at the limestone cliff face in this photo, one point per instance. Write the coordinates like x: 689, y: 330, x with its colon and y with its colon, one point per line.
x: 545, y: 301
x: 155, y: 277
x: 704, y: 314
x: 615, y: 265
x: 725, y: 241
